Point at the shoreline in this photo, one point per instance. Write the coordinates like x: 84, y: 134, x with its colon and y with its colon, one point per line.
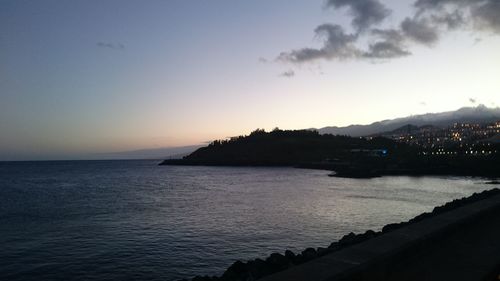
x: 277, y: 262
x: 344, y: 171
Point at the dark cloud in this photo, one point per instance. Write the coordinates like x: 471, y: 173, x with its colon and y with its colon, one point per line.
x: 433, y: 5
x: 112, y: 46
x: 482, y: 14
x: 365, y: 13
x: 385, y: 50
x: 288, y: 74
x: 389, y: 34
x: 336, y: 45
x: 339, y: 45
x: 451, y: 21
x: 487, y: 16
x: 390, y: 44
x: 425, y: 26
x: 420, y: 31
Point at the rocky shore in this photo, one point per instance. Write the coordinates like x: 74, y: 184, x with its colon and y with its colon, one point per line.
x: 276, y: 262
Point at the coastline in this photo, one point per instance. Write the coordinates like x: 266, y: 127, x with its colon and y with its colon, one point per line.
x: 353, y: 170
x: 277, y: 262
x: 348, y: 156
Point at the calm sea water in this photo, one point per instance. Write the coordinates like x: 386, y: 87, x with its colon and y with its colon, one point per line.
x: 134, y: 220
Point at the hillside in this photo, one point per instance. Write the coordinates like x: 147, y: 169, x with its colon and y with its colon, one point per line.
x: 347, y: 156
x: 284, y: 148
x: 479, y: 114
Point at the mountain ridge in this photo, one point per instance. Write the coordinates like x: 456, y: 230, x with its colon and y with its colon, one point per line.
x: 479, y: 114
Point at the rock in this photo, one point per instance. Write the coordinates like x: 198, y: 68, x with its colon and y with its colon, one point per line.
x: 309, y: 254
x: 277, y: 261
x: 299, y: 259
x: 290, y: 255
x: 234, y: 272
x: 258, y: 269
x: 347, y: 239
x: 370, y: 233
x: 390, y: 227
x: 334, y: 246
x: 322, y: 251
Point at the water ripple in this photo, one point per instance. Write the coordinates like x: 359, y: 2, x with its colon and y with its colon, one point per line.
x: 134, y: 220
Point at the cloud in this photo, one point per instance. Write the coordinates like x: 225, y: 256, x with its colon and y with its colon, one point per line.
x: 420, y: 31
x: 487, y: 16
x: 440, y: 5
x: 288, y: 74
x: 425, y: 26
x: 336, y: 45
x: 263, y: 60
x: 482, y: 14
x: 385, y: 50
x: 452, y: 21
x: 339, y: 45
x: 365, y: 13
x: 390, y: 45
x: 113, y: 46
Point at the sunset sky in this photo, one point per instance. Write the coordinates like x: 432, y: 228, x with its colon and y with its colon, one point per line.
x: 83, y: 77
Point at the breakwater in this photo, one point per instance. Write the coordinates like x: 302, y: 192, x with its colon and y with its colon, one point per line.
x: 357, y: 256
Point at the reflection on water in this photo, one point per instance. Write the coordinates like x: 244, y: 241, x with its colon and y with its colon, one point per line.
x: 134, y: 220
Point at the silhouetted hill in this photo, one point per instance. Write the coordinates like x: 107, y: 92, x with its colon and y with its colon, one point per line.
x: 284, y: 148
x: 347, y: 156
x: 479, y: 114
x: 406, y: 129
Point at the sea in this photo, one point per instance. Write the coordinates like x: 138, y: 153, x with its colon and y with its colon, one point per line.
x: 136, y: 220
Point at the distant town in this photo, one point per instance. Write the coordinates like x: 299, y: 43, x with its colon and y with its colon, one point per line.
x: 473, y: 139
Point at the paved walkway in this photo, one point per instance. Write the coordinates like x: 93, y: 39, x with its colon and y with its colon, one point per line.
x: 470, y: 253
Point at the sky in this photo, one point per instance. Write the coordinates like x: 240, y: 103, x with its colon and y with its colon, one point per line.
x: 82, y: 77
